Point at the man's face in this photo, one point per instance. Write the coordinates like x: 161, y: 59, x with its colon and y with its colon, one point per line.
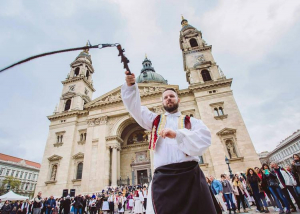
x: 170, y: 101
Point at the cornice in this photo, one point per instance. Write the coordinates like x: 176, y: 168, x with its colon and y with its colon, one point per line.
x: 75, y: 79
x: 226, y: 131
x: 67, y: 114
x: 198, y: 50
x: 208, y: 85
x: 135, y: 145
x: 20, y: 165
x: 112, y: 138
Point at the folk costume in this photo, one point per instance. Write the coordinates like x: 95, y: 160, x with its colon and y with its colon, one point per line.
x: 175, y: 160
x: 138, y: 202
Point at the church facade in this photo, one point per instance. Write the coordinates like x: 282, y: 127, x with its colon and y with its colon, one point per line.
x: 96, y: 143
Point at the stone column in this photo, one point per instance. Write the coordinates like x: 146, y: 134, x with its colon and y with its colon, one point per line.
x: 114, y: 166
x: 151, y: 153
x: 119, y: 164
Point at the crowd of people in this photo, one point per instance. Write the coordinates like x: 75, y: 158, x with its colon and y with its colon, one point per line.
x: 260, y: 187
x: 109, y: 201
x: 268, y: 185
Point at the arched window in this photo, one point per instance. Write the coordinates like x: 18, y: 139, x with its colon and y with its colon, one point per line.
x: 84, y: 136
x: 193, y: 43
x: 216, y: 112
x: 68, y: 105
x: 61, y: 138
x: 81, y: 137
x: 205, y: 75
x: 79, y: 171
x: 87, y: 74
x: 57, y: 139
x: 221, y: 111
x: 76, y: 73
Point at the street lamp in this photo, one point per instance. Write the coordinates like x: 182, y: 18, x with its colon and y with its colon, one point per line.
x: 230, y: 172
x: 8, y: 187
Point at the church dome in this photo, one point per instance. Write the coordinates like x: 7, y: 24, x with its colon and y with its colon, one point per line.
x: 185, y: 24
x: 84, y: 54
x: 148, y: 74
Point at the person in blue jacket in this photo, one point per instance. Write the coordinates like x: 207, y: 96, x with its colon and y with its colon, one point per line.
x: 50, y: 205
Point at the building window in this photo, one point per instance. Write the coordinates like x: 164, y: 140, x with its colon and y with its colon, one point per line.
x: 205, y: 75
x: 201, y: 161
x: 22, y: 186
x: 59, y: 137
x: 7, y: 172
x: 12, y: 173
x: 68, y: 105
x: 193, y: 42
x: 221, y: 112
x: 17, y: 174
x: 76, y: 73
x: 25, y: 176
x: 83, y: 137
x: 87, y: 74
x: 1, y: 171
x: 34, y: 176
x: 31, y: 186
x: 216, y: 112
x: 29, y: 176
x: 79, y: 171
x: 21, y: 175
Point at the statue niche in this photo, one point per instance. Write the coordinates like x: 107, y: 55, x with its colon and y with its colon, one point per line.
x: 53, y: 173
x: 138, y: 137
x: 231, y: 149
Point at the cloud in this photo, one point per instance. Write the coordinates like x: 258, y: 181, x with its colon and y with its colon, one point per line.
x: 249, y: 28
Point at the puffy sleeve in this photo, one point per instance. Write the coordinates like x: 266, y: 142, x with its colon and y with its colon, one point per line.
x: 195, y: 141
x: 132, y: 101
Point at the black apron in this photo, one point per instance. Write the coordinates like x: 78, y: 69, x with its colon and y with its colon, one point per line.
x: 181, y: 188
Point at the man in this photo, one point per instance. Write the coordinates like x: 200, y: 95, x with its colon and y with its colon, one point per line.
x: 37, y: 203
x: 176, y: 141
x: 66, y: 205
x: 145, y: 194
x: 217, y: 188
x: 286, y: 183
x: 50, y: 205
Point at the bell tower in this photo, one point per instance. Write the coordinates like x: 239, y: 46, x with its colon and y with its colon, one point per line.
x: 78, y: 86
x: 198, y: 61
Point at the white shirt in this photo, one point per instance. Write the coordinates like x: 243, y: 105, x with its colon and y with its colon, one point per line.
x: 187, y: 142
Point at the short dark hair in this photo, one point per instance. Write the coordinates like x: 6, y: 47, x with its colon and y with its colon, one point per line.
x: 169, y: 89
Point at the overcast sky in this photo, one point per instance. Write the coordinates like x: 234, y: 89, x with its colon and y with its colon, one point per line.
x: 254, y: 42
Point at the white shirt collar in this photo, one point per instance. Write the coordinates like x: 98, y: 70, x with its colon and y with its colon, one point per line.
x: 177, y: 114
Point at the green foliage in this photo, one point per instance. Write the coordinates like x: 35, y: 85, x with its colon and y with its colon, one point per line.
x: 13, y: 182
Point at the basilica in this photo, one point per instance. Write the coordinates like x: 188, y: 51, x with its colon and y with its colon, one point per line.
x: 95, y: 143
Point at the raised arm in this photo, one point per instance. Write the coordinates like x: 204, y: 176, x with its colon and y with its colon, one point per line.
x: 132, y: 101
x: 195, y: 141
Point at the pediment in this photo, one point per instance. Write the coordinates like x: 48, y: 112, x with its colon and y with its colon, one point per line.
x: 68, y: 94
x: 79, y: 155
x: 226, y: 131
x: 114, y: 96
x: 54, y: 158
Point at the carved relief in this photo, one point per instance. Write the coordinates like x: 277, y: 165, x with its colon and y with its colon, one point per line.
x: 158, y: 110
x: 97, y: 121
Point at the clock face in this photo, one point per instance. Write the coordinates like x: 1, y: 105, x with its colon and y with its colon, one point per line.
x: 193, y: 58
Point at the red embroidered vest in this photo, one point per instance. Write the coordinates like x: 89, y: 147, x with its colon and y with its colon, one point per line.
x: 159, y: 123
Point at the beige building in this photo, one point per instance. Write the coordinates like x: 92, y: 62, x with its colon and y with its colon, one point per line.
x: 94, y: 142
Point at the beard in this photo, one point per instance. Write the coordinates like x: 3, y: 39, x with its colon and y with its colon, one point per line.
x: 171, y: 108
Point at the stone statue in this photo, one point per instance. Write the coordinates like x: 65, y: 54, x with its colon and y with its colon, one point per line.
x: 53, y: 175
x: 230, y: 149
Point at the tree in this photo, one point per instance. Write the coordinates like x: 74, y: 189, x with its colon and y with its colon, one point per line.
x: 13, y: 182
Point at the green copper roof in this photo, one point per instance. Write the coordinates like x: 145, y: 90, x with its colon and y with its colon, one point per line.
x: 148, y: 74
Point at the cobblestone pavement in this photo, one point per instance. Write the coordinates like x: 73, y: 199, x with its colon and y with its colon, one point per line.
x: 249, y: 211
